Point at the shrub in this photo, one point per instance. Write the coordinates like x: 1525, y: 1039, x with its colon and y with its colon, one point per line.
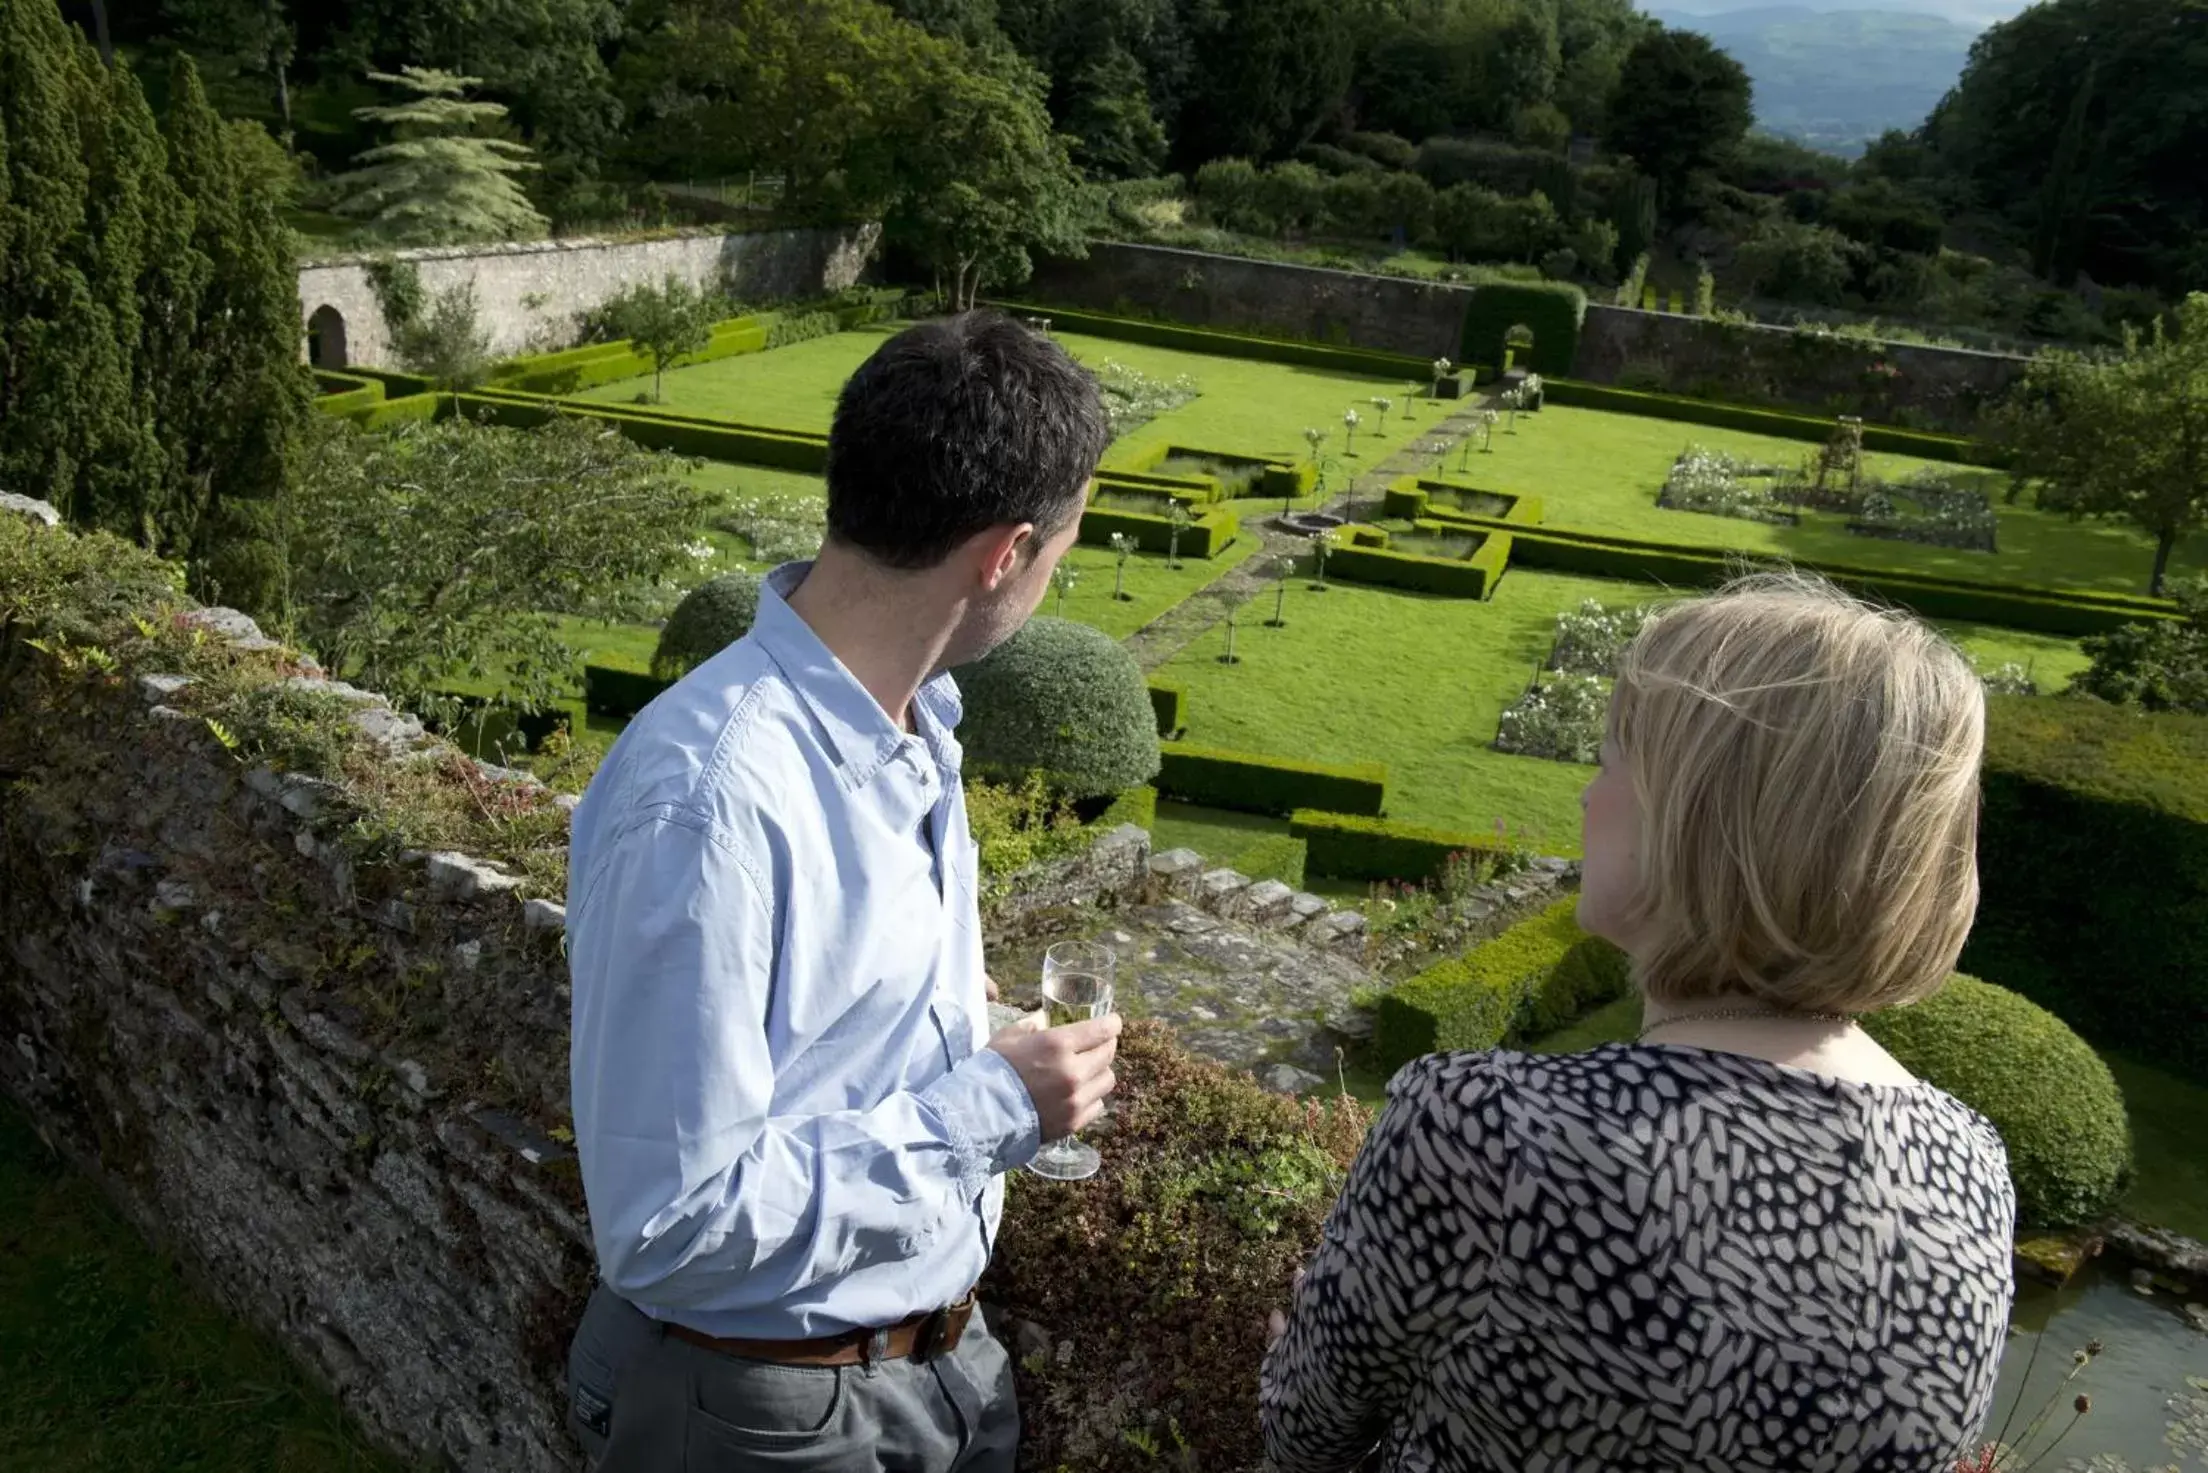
x: 1210, y: 534
x: 1336, y: 161
x: 1590, y: 638
x: 2161, y: 665
x: 609, y: 690
x: 1252, y: 783
x: 710, y: 618
x: 1227, y: 191
x: 1535, y: 977
x: 1474, y: 576
x: 2093, y: 858
x: 1560, y: 719
x: 1388, y: 150
x: 1017, y: 825
x: 1213, y: 1193
x: 1064, y: 700
x: 800, y: 327
x: 1348, y: 846
x: 2054, y: 1102
x: 1138, y: 806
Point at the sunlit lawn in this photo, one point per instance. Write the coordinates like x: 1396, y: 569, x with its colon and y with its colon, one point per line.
x: 1601, y: 471
x: 113, y: 1362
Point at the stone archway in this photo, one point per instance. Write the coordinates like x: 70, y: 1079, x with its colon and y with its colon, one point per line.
x: 326, y: 338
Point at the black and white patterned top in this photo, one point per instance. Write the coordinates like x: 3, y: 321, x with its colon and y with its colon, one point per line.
x: 1651, y: 1258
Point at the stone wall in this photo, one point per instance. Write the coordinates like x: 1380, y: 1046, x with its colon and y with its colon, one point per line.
x: 529, y: 293
x: 329, y: 1074
x: 1938, y: 388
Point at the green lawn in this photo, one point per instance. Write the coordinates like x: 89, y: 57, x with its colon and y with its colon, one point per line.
x: 1600, y: 470
x: 1414, y: 681
x: 114, y: 1363
x: 793, y: 387
x: 1151, y: 586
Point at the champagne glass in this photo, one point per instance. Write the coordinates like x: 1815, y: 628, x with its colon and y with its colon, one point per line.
x: 1077, y: 986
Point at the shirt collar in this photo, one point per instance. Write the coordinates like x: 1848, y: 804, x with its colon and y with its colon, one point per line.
x: 858, y: 729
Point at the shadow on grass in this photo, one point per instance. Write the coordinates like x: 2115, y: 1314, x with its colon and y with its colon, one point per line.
x: 115, y: 1363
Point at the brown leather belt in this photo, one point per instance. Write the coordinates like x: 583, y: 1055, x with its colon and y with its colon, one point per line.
x: 922, y: 1337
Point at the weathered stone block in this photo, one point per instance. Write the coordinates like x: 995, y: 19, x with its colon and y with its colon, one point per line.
x: 457, y: 877
x: 1265, y: 902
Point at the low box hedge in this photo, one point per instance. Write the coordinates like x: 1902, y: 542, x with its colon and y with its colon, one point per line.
x: 1415, y: 497
x: 1210, y: 534
x: 1289, y: 482
x: 1467, y: 577
x: 1532, y: 979
x: 1367, y: 362
x: 1138, y: 806
x: 1782, y: 423
x: 385, y: 413
x: 1349, y: 846
x: 594, y: 364
x: 2093, y: 868
x: 345, y: 394
x: 609, y: 690
x: 1196, y: 490
x: 1249, y: 782
x: 1171, y: 704
x: 2047, y: 610
x: 796, y: 450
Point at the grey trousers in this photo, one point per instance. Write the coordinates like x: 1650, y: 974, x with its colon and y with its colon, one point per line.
x: 643, y: 1401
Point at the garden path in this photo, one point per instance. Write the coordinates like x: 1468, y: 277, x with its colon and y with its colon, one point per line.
x: 1156, y: 643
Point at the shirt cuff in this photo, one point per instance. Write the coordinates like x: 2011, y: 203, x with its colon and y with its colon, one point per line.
x: 990, y: 1117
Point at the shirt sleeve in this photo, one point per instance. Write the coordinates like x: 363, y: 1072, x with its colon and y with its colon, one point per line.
x: 699, y: 1197
x: 1337, y: 1379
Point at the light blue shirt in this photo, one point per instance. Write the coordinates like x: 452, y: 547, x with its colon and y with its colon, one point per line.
x: 788, y: 1120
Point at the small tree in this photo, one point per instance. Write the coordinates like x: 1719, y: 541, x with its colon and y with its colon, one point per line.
x: 1178, y: 515
x: 664, y: 321
x: 1349, y: 427
x: 1442, y: 368
x: 450, y: 549
x: 1381, y: 404
x: 436, y: 180
x: 445, y: 343
x: 1123, y: 544
x: 2125, y: 439
x: 710, y: 618
x: 1063, y: 580
x: 1063, y: 700
x: 1322, y: 543
x: 1314, y: 437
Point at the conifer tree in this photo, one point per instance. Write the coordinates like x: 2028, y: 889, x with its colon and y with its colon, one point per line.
x: 43, y: 294
x: 437, y: 180
x: 238, y: 413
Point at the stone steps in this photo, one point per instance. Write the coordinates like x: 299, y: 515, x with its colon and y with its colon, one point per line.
x: 1268, y: 905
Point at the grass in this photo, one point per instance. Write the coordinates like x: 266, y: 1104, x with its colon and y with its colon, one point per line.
x: 793, y: 387
x: 1152, y: 587
x: 114, y: 1362
x: 1414, y: 681
x: 1601, y: 470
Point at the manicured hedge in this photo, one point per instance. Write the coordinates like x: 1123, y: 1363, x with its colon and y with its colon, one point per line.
x: 1396, y: 366
x: 2058, y: 1109
x: 1468, y: 577
x: 1553, y: 309
x: 2093, y: 865
x: 1171, y: 704
x: 1599, y: 555
x: 1348, y: 846
x: 1196, y: 490
x: 609, y: 691
x: 1280, y: 857
x: 1534, y: 978
x: 402, y: 411
x: 396, y: 385
x: 1064, y: 700
x: 345, y: 394
x: 1252, y: 783
x: 796, y: 450
x: 1211, y: 533
x: 1415, y: 497
x: 1289, y: 482
x: 594, y: 364
x: 1138, y: 806
x: 1778, y: 422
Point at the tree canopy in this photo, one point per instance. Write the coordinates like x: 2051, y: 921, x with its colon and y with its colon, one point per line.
x: 438, y: 179
x: 1681, y: 105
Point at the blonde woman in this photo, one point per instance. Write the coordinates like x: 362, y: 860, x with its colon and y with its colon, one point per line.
x: 1749, y: 1240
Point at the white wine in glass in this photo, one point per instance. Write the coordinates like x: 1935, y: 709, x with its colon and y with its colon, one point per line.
x: 1077, y: 986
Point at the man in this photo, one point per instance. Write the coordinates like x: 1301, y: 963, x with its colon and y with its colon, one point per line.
x: 791, y: 1131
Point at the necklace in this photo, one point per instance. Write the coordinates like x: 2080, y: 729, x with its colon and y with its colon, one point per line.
x: 1715, y: 1014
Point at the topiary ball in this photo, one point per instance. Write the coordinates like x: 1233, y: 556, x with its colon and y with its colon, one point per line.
x: 710, y: 618
x: 2046, y: 1091
x: 1064, y: 700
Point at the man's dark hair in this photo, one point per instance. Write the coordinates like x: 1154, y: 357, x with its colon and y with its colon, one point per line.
x: 955, y: 426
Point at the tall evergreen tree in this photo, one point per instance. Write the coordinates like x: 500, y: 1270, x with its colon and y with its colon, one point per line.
x: 437, y: 180
x: 236, y: 418
x: 44, y: 298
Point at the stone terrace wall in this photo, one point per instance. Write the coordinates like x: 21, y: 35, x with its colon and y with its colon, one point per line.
x: 1940, y: 388
x: 1388, y: 313
x: 529, y: 293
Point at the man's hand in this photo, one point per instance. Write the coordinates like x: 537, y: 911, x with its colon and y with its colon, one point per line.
x: 1067, y: 1071
x: 989, y: 987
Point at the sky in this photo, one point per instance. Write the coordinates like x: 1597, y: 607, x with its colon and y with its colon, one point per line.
x: 1979, y: 13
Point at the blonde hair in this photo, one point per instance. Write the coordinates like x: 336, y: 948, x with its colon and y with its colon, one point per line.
x: 1806, y: 768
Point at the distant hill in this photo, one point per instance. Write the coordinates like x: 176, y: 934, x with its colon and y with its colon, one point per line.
x: 1836, y: 79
